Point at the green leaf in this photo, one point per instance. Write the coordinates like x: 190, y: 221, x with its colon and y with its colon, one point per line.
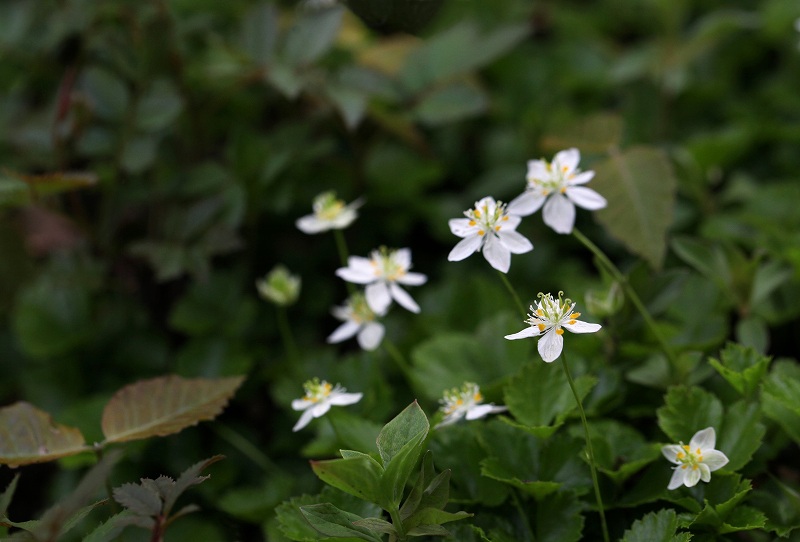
x: 743, y: 518
x: 400, y: 444
x: 357, y: 474
x: 743, y: 367
x: 293, y: 524
x: 29, y: 435
x: 559, y: 518
x: 706, y: 258
x: 752, y: 331
x: 768, y: 277
x: 158, y: 107
x: 259, y: 32
x: 165, y: 405
x: 639, y: 185
x: 108, y: 94
x: 619, y: 450
x: 376, y: 525
x: 780, y: 397
x: 109, y: 530
x: 688, y: 410
x: 331, y: 521
x: 351, y: 103
x: 433, y: 516
x: 8, y: 494
x: 658, y: 526
x: 741, y: 433
x: 139, y: 499
x: 597, y: 133
x: 428, y: 530
x: 540, y: 399
x: 188, y: 478
x: 312, y: 35
x: 450, y: 104
x: 354, y: 431
x: 426, y: 475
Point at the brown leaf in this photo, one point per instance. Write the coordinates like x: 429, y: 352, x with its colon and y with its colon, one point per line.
x: 29, y: 435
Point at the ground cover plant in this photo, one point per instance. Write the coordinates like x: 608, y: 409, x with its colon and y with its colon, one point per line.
x: 392, y: 270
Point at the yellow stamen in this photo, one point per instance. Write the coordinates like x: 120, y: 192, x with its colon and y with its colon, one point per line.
x: 481, y: 232
x: 680, y: 455
x: 686, y: 447
x: 559, y: 331
x: 472, y: 222
x: 541, y: 327
x: 477, y: 213
x: 497, y: 228
x: 575, y: 315
x: 478, y: 397
x: 683, y: 466
x: 540, y: 312
x: 505, y: 217
x: 563, y: 190
x: 571, y: 322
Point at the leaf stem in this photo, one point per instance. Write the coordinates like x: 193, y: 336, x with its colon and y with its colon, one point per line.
x: 589, y: 449
x: 632, y: 295
x: 513, y: 293
x: 397, y: 522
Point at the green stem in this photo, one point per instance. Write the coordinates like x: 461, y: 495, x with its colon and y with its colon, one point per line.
x: 394, y: 512
x: 632, y: 295
x: 341, y: 246
x: 589, y: 449
x: 398, y: 358
x: 286, y: 334
x: 513, y: 293
x: 248, y: 449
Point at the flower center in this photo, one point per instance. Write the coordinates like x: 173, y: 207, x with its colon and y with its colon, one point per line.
x: 316, y: 391
x: 462, y: 398
x: 327, y: 207
x: 555, y: 181
x: 488, y: 216
x: 551, y: 312
x: 689, y: 458
x: 385, y: 264
x: 359, y: 309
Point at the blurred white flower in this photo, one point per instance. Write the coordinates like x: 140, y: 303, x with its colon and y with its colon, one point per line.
x: 465, y: 403
x: 329, y: 214
x: 382, y: 272
x: 490, y: 229
x: 318, y: 400
x: 549, y: 320
x: 279, y: 286
x: 558, y: 184
x: 695, y: 461
x: 358, y: 320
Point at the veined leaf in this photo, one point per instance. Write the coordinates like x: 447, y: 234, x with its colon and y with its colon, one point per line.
x: 640, y: 188
x: 165, y: 405
x: 29, y: 435
x: 332, y: 521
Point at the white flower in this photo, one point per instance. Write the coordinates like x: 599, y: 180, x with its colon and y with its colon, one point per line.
x: 488, y: 228
x: 465, y: 402
x: 695, y: 461
x: 279, y: 286
x: 382, y: 272
x: 329, y: 214
x: 318, y: 400
x: 558, y: 183
x: 550, y: 318
x: 359, y: 320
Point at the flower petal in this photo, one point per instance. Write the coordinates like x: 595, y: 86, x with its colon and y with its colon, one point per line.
x: 691, y: 476
x: 403, y: 298
x: 304, y: 420
x: 371, y: 336
x: 550, y: 345
x: 301, y: 404
x: 357, y: 276
x: 677, y: 480
x: 461, y: 227
x: 342, y: 399
x: 705, y: 472
x: 413, y: 279
x: 321, y: 408
x: 714, y: 459
x: 311, y: 224
x: 497, y: 254
x: 378, y: 297
x: 343, y: 332
x: 586, y: 198
x: 559, y: 214
x: 671, y: 452
x: 515, y: 242
x: 704, y: 439
x: 343, y: 219
x: 531, y: 331
x: 478, y: 411
x: 582, y: 327
x: 537, y: 169
x: 567, y: 159
x: 465, y: 248
x: 581, y: 178
x: 525, y: 204
x: 450, y: 419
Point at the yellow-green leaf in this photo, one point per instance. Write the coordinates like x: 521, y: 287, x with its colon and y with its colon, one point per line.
x: 640, y: 188
x: 29, y: 435
x: 165, y: 405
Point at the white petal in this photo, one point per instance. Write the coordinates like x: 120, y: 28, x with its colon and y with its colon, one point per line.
x: 402, y: 256
x: 413, y: 279
x: 321, y: 408
x: 301, y: 404
x: 581, y: 178
x: 450, y: 419
x: 515, y: 242
x: 343, y: 332
x: 531, y: 331
x: 559, y: 214
x: 497, y: 254
x: 691, y: 476
x: 304, y: 420
x: 704, y: 439
x: 356, y: 276
x: 550, y: 345
x: 371, y: 336
x: 402, y: 298
x: 378, y: 297
x: 586, y: 198
x: 537, y: 169
x: 671, y: 452
x: 342, y: 399
x: 582, y: 327
x: 677, y: 479
x: 714, y: 459
x: 461, y: 227
x: 705, y: 472
x: 568, y: 158
x: 479, y: 411
x: 525, y: 204
x: 344, y: 218
x: 511, y: 222
x: 311, y: 224
x: 465, y: 248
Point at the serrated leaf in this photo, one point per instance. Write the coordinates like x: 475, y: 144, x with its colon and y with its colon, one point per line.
x: 29, y: 435
x: 109, y: 530
x: 331, y: 521
x: 140, y: 500
x: 688, y: 410
x: 356, y: 475
x: 619, y: 450
x: 743, y: 518
x: 639, y: 185
x: 294, y: 525
x: 741, y: 433
x: 559, y: 519
x: 188, y: 478
x: 780, y: 397
x: 743, y: 367
x: 165, y: 405
x: 658, y: 526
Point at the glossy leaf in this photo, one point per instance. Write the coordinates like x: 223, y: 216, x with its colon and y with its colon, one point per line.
x: 356, y: 474
x: 165, y: 405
